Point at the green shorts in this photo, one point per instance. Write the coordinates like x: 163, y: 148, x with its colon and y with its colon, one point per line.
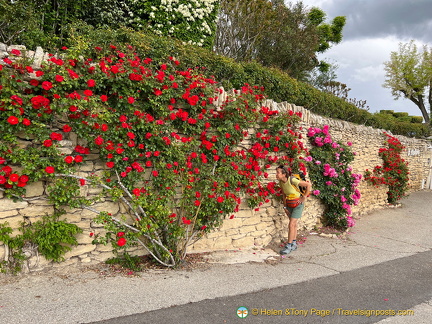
x: 297, y: 211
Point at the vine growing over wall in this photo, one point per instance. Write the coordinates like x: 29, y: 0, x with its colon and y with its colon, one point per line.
x: 394, y: 171
x: 176, y: 161
x: 332, y: 177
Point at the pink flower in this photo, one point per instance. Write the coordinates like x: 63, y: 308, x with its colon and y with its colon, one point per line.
x: 316, y: 192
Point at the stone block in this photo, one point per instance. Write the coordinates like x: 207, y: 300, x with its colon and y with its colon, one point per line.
x: 35, y: 189
x: 202, y: 245
x: 246, y: 213
x: 37, y: 211
x: 247, y: 229
x: 245, y: 242
x: 14, y: 221
x: 222, y: 243
x: 102, y: 256
x: 230, y: 224
x: 8, y: 204
x: 253, y: 220
x: 79, y: 250
x: 264, y: 226
x: 263, y: 241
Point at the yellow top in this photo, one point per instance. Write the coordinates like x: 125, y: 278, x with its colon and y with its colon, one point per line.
x: 289, y: 191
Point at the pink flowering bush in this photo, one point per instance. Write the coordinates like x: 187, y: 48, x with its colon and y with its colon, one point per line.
x: 177, y: 162
x: 332, y: 177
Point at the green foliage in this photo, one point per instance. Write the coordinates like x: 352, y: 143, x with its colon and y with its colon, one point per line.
x: 52, y: 237
x: 126, y: 261
x: 277, y: 84
x: 409, y: 75
x: 276, y: 34
x: 193, y: 22
x: 174, y: 158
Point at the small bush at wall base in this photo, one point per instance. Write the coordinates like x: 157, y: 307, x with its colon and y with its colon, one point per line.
x: 51, y: 237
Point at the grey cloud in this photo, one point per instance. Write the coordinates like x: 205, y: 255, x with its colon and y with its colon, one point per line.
x: 379, y: 18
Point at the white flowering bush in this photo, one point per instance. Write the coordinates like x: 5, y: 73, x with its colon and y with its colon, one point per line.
x: 192, y: 21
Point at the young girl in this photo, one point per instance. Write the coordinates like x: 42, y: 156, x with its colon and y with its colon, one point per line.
x: 293, y: 203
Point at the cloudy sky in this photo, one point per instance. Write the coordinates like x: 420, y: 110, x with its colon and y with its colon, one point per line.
x: 374, y: 29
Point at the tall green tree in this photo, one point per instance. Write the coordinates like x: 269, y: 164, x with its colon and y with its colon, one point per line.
x: 275, y: 34
x: 409, y: 75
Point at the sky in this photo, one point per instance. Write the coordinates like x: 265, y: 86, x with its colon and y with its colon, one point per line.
x: 374, y: 29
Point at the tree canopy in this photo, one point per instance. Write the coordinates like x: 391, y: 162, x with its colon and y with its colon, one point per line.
x: 409, y: 75
x: 275, y: 34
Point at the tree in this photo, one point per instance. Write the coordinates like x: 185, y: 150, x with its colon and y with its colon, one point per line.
x: 240, y: 27
x: 274, y: 34
x: 409, y: 74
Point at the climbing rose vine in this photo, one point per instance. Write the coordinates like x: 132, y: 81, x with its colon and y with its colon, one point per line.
x: 394, y: 171
x: 159, y: 140
x: 333, y: 180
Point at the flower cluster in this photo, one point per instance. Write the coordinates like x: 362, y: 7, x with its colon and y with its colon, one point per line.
x: 332, y: 177
x: 190, y: 21
x: 180, y: 162
x: 394, y: 171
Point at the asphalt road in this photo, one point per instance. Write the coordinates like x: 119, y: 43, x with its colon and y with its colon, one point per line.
x: 383, y: 289
x: 383, y: 265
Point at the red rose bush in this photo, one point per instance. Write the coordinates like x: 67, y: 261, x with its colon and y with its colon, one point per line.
x: 175, y: 154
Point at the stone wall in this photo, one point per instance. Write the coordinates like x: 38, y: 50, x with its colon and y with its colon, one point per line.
x: 249, y: 228
x: 258, y: 228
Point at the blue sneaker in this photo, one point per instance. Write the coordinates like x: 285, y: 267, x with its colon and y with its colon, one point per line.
x: 287, y: 249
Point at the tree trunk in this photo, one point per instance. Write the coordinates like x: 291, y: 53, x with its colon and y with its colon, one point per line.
x: 420, y: 103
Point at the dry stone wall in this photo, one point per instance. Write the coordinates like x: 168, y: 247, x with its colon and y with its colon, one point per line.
x: 249, y: 228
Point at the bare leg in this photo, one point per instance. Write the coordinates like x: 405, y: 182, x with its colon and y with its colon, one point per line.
x: 292, y: 229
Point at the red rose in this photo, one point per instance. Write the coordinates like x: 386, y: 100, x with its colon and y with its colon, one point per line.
x: 2, y: 179
x: 120, y: 234
x: 59, y: 78
x: 220, y: 199
x: 88, y: 93
x: 91, y: 83
x: 78, y: 159
x: 56, y: 136
x: 14, y: 177
x: 23, y: 178
x: 67, y: 128
x: 46, y: 85
x: 69, y: 159
x: 110, y: 164
x: 103, y: 98
x: 186, y: 221
x: 155, y: 173
x: 98, y: 140
x: 49, y: 169
x: 26, y: 122
x: 47, y: 143
x: 131, y: 100
x: 121, y: 241
x: 82, y: 182
x: 12, y: 120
